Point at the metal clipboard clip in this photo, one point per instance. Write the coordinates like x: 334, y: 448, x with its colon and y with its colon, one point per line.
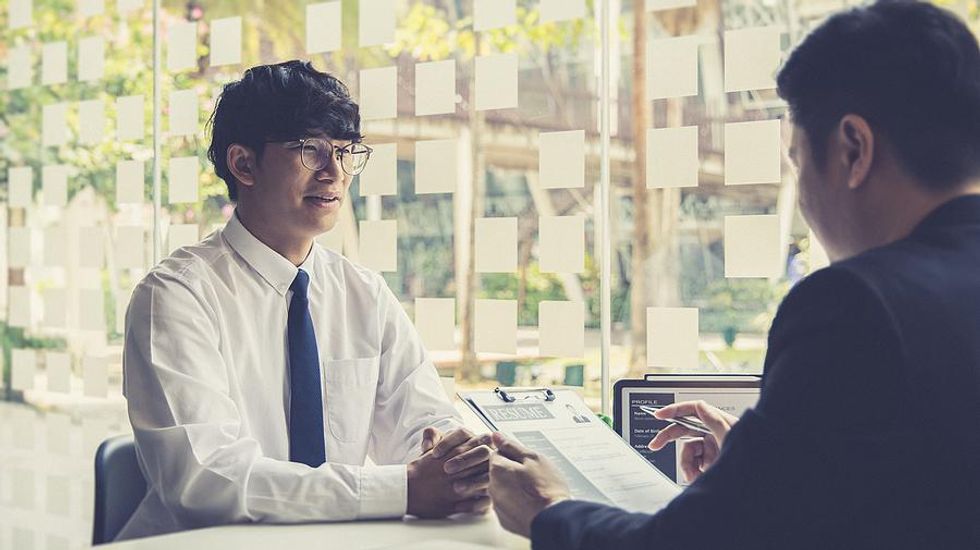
x: 507, y: 395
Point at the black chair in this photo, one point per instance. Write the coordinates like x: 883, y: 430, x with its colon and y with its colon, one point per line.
x: 119, y: 487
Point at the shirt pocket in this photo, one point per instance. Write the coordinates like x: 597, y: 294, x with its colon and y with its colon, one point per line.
x: 350, y: 386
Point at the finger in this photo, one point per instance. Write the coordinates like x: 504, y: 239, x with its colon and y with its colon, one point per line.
x: 468, y: 459
x: 430, y: 436
x: 472, y: 487
x: 470, y: 444
x: 691, y: 452
x: 668, y: 434
x: 510, y: 449
x: 472, y: 506
x: 714, y: 418
x: 451, y: 441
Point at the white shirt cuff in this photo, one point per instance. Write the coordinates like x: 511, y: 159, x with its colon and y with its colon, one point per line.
x: 384, y: 492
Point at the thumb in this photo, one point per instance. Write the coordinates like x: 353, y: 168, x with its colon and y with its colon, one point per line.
x: 508, y: 448
x: 429, y: 438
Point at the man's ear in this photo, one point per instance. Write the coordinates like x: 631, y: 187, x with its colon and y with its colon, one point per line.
x: 857, y: 149
x: 241, y: 163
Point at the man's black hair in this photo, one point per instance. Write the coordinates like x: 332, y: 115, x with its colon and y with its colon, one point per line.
x: 911, y: 69
x: 279, y: 102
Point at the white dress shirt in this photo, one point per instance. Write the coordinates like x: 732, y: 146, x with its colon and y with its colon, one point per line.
x: 206, y: 378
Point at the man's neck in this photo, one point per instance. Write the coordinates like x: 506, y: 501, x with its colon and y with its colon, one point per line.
x: 294, y: 250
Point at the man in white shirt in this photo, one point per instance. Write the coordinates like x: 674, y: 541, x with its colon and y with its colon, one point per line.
x: 261, y: 369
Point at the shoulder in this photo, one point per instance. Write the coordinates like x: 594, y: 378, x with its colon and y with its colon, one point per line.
x: 190, y: 271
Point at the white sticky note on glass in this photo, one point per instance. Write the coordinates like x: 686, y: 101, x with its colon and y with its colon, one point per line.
x: 496, y: 245
x: 657, y: 5
x: 129, y: 118
x: 672, y: 67
x: 54, y: 185
x: 54, y: 63
x: 95, y: 376
x: 91, y: 58
x: 562, y: 244
x: 496, y: 326
x: 130, y: 247
x: 55, y: 308
x: 752, y: 246
x: 20, y: 186
x: 380, y: 175
x: 752, y: 57
x: 20, y: 247
x: 672, y: 337
x: 752, y: 152
x: 378, y: 93
x: 91, y: 121
x: 89, y: 8
x: 20, y: 306
x: 496, y: 81
x: 58, y: 428
x: 561, y: 10
x: 493, y: 14
x: 130, y: 182
x: 184, y: 113
x: 376, y: 22
x: 561, y: 328
x: 58, y: 366
x: 436, y: 166
x: 56, y: 246
x: 226, y: 41
x: 182, y: 234
x: 20, y: 70
x: 379, y: 245
x: 58, y: 489
x: 435, y: 320
x: 182, y: 46
x: 435, y: 88
x: 91, y: 309
x: 672, y: 157
x: 182, y: 179
x: 561, y: 159
x: 23, y: 367
x: 123, y: 296
x: 21, y: 14
x: 818, y: 254
x: 91, y: 241
x: 23, y: 492
x: 323, y: 27
x: 54, y: 125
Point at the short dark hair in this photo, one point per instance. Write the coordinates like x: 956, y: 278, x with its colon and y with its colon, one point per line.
x: 279, y: 102
x: 910, y: 68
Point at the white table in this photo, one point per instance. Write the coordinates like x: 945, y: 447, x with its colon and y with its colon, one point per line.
x: 463, y: 533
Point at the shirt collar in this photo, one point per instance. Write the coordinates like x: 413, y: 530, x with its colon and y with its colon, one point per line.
x: 269, y: 264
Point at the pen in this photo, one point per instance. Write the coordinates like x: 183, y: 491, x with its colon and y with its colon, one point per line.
x: 687, y: 422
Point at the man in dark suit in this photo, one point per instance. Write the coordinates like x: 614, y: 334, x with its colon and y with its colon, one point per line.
x: 867, y: 431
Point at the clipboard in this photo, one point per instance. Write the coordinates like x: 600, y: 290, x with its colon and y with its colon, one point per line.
x: 595, y: 462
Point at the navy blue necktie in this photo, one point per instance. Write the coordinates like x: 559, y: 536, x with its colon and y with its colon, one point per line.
x: 305, y: 400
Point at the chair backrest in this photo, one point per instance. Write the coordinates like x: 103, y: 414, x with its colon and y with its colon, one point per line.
x: 119, y: 487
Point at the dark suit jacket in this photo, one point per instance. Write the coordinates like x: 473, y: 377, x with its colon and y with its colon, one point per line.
x: 867, y: 430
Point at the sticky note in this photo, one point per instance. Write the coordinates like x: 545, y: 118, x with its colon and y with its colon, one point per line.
x: 752, y: 152
x: 19, y: 307
x: 95, y: 376
x: 561, y: 10
x: 752, y: 57
x: 376, y: 22
x: 54, y: 185
x: 561, y: 159
x: 58, y: 429
x: 562, y: 244
x: 323, y: 27
x: 23, y: 425
x: 182, y: 177
x: 58, y: 489
x: 752, y: 246
x: 496, y: 245
x: 672, y: 67
x: 21, y: 14
x: 182, y: 46
x: 19, y: 252
x: 130, y: 182
x: 54, y: 124
x: 91, y: 121
x: 226, y: 41
x: 55, y: 246
x: 184, y: 113
x: 379, y: 245
x: 20, y: 186
x: 561, y: 328
x: 125, y: 7
x: 91, y: 242
x: 435, y: 320
x: 54, y: 63
x: 435, y: 88
x: 378, y: 90
x: 130, y: 247
x: 129, y: 118
x: 91, y: 58
x: 91, y: 309
x: 380, y: 175
x: 23, y: 493
x: 672, y: 337
x: 658, y: 5
x: 436, y: 166
x: 23, y: 366
x: 20, y: 71
x: 496, y: 81
x: 94, y: 430
x: 495, y: 327
x: 55, y: 308
x: 89, y: 8
x: 182, y: 234
x: 58, y: 367
x: 122, y: 304
x: 672, y: 157
x: 493, y: 14
x: 818, y: 254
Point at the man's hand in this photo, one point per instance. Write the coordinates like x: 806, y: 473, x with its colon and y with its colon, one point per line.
x: 451, y: 475
x: 522, y: 484
x: 700, y: 451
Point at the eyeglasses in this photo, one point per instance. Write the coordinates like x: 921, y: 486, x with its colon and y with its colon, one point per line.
x: 316, y: 154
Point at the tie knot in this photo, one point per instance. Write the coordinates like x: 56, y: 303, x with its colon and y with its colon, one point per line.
x: 300, y: 283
